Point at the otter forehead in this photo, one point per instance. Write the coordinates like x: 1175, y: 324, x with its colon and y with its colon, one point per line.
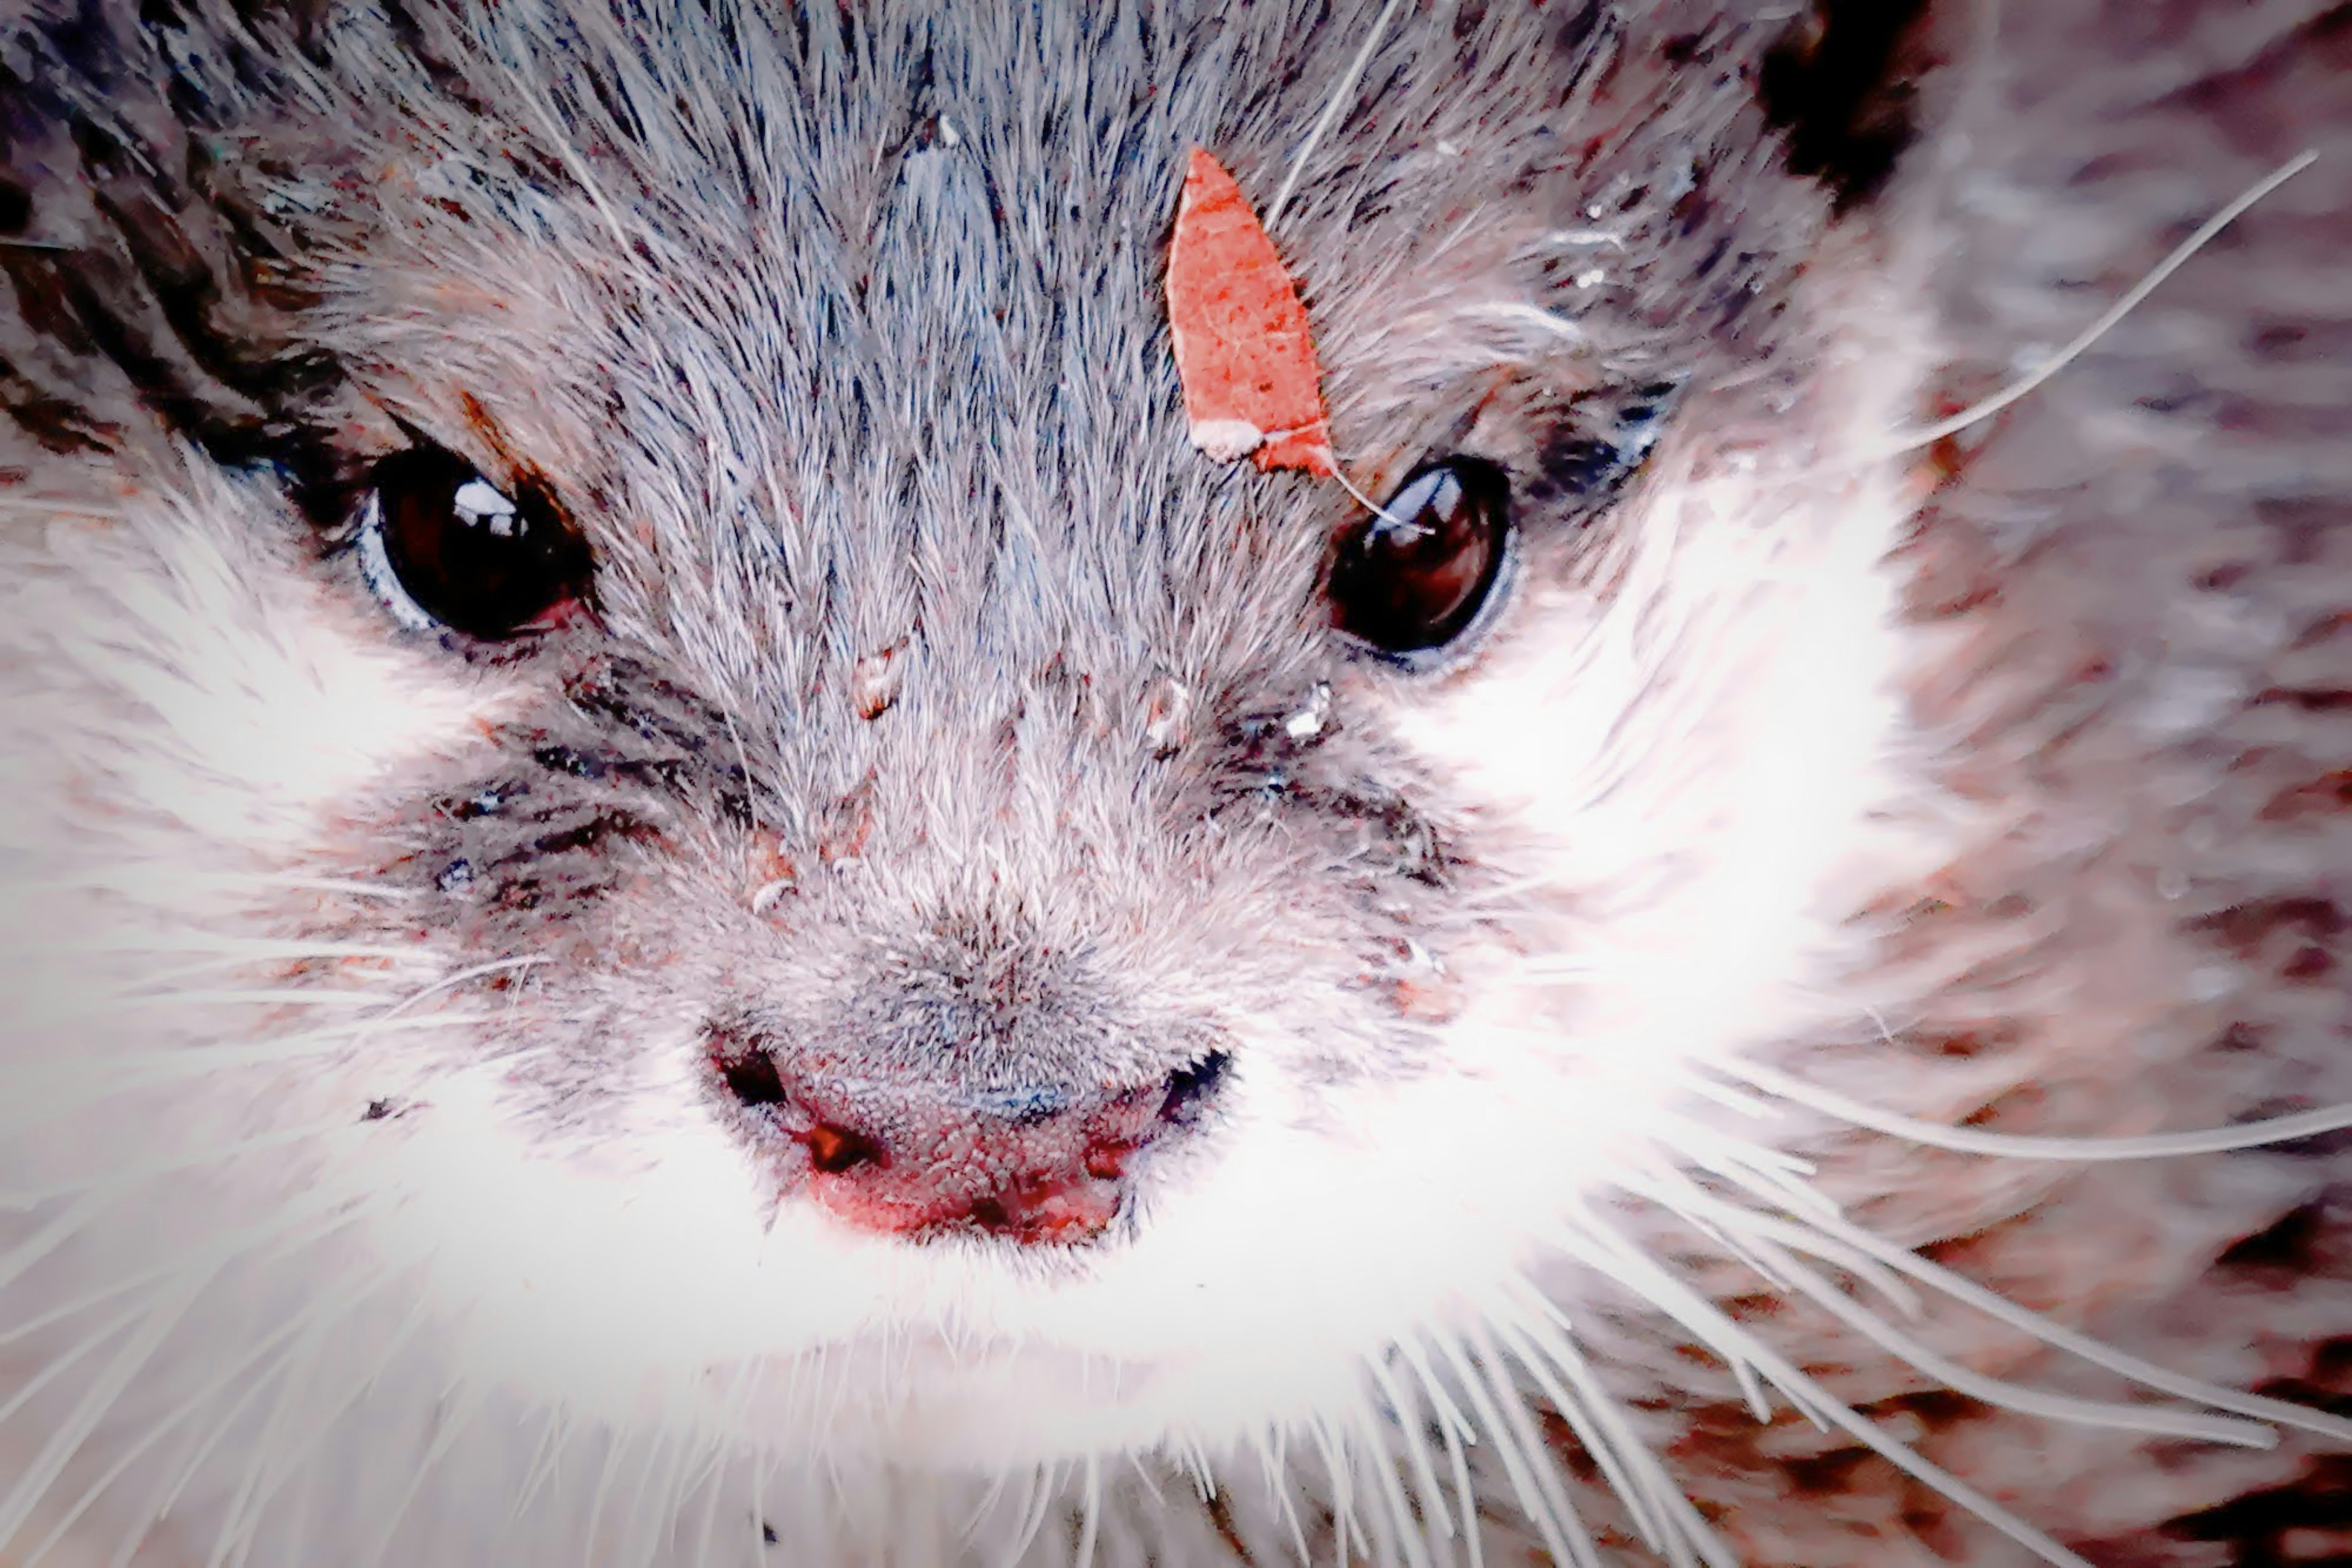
x: 828, y: 331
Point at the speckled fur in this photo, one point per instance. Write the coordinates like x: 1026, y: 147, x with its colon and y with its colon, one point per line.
x: 365, y: 1195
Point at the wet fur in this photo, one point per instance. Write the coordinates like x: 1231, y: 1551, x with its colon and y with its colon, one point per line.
x: 359, y: 1139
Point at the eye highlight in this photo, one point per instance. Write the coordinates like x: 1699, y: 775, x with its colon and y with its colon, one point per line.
x: 447, y: 549
x: 1412, y: 582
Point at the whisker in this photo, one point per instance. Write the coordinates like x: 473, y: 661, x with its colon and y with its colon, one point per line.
x: 412, y: 1320
x: 665, y: 1450
x: 155, y: 1323
x: 224, y: 947
x: 1668, y: 1499
x: 2066, y: 1148
x: 1823, y: 1238
x: 1037, y: 1503
x: 24, y: 1327
x: 58, y: 1365
x: 1563, y: 1533
x: 713, y: 1485
x: 1425, y: 1473
x: 1638, y: 1273
x: 1598, y: 1445
x: 538, y: 1471
x: 1400, y: 1531
x: 1911, y: 440
x: 50, y: 1089
x: 21, y: 1259
x: 1091, y: 1508
x: 463, y: 1406
x: 1269, y: 1444
x: 1342, y: 91
x: 1339, y: 1464
x: 170, y: 1420
x: 118, y: 1178
x: 1456, y: 1433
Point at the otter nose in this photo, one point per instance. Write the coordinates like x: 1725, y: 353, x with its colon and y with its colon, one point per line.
x: 1029, y: 1165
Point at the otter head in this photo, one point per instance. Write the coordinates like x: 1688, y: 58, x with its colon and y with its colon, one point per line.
x: 774, y: 858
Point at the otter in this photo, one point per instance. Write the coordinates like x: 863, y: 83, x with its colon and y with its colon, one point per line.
x: 681, y: 889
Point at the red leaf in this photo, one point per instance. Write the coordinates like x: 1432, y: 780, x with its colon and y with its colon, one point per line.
x: 1244, y: 352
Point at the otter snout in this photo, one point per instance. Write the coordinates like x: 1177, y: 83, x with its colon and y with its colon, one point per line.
x: 1033, y: 1165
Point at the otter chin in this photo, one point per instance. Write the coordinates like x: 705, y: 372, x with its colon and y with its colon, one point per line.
x: 691, y: 876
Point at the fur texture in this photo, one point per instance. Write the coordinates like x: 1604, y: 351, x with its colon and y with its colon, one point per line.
x: 367, y: 1193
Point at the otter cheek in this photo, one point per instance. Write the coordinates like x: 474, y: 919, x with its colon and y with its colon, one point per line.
x: 233, y: 700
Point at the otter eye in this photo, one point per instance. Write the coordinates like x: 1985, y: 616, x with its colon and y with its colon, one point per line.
x: 446, y: 549
x: 1415, y: 580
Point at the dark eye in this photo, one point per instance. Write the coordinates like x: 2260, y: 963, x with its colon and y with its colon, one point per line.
x: 444, y: 548
x: 1415, y: 580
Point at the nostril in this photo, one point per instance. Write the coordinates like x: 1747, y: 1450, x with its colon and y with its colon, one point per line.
x: 752, y: 1077
x: 907, y: 1155
x: 835, y: 1149
x: 1192, y: 1088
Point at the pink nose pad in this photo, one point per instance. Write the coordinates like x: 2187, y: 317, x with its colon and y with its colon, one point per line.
x: 1034, y: 1168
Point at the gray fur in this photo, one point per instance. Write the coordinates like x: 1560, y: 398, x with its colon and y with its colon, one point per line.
x: 929, y: 653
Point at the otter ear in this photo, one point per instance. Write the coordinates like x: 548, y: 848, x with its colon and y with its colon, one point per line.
x: 141, y: 240
x: 1842, y: 84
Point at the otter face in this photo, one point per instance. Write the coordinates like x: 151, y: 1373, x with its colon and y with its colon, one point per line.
x: 762, y: 861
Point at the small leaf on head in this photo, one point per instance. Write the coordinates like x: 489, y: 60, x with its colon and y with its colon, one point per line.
x: 1244, y: 352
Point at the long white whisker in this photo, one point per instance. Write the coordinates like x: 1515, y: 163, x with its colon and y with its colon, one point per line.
x: 1335, y: 1465
x: 224, y: 947
x: 704, y: 1475
x: 165, y: 1424
x: 320, y: 996
x: 541, y: 1470
x: 1408, y: 1419
x: 241, y: 1527
x: 1563, y: 1533
x: 413, y: 1320
x: 1635, y: 1496
x: 45, y: 1093
x: 1269, y: 1448
x: 1136, y: 1468
x: 1589, y: 1407
x: 1457, y: 1435
x: 159, y: 1320
x: 2064, y: 1148
x: 1040, y: 1502
x: 668, y: 1449
x: 2157, y: 1420
x: 1342, y: 91
x: 1091, y: 1507
x: 202, y: 1447
x: 58, y: 1365
x: 456, y: 1414
x: 1828, y: 1243
x: 760, y: 1462
x: 1407, y: 1531
x: 1676, y: 1193
x: 1911, y: 440
x: 120, y: 1177
x: 29, y: 1252
x: 1641, y: 1275
x: 606, y: 1474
